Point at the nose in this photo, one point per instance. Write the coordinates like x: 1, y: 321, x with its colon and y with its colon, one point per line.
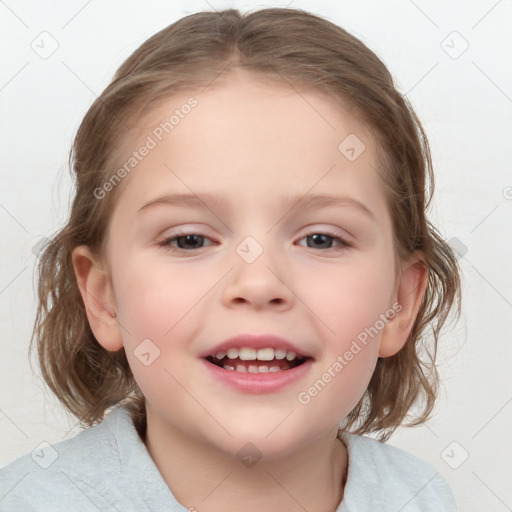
x: 259, y: 284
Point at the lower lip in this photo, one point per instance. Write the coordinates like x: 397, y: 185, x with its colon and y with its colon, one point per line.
x: 258, y: 383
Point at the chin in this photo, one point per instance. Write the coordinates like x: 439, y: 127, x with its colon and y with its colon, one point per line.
x: 267, y: 441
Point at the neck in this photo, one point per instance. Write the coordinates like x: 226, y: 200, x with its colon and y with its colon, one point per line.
x: 205, y: 479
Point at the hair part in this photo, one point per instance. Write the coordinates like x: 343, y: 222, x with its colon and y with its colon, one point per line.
x: 281, y: 45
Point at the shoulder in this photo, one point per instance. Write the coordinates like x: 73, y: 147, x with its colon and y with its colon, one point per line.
x: 94, y: 470
x: 52, y: 470
x: 384, y: 477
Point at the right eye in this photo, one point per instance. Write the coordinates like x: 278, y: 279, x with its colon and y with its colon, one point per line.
x: 184, y: 242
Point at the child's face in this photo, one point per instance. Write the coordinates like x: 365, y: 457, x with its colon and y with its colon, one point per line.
x: 248, y: 151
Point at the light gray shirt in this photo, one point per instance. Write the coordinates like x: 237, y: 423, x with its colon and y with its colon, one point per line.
x: 108, y: 468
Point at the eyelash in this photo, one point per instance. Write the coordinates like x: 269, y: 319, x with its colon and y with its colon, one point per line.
x: 167, y: 243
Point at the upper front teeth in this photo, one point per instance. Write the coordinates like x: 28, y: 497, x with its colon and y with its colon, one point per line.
x: 251, y: 354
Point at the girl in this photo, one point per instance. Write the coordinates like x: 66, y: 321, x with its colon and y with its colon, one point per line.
x: 242, y: 288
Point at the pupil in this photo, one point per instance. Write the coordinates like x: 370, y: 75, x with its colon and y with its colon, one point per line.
x: 317, y: 238
x: 189, y: 240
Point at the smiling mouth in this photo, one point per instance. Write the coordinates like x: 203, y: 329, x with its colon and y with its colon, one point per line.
x: 249, y: 360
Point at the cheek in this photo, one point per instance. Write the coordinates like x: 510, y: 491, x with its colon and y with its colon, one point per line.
x: 349, y: 297
x: 349, y: 303
x: 339, y: 384
x: 159, y: 307
x: 153, y: 299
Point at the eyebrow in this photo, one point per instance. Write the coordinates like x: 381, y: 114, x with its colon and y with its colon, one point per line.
x: 293, y: 202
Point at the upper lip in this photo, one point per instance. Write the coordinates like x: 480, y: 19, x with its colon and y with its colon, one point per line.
x: 255, y: 341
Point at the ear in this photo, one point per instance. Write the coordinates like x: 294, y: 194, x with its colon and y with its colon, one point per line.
x: 409, y: 290
x: 97, y: 294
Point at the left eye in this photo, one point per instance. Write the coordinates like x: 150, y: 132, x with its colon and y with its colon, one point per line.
x: 324, y: 241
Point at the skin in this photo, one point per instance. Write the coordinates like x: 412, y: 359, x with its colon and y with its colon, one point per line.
x: 254, y: 145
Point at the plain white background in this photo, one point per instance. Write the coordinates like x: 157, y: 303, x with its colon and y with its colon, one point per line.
x: 452, y: 60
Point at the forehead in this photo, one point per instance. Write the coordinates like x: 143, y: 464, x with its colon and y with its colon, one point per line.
x: 251, y: 136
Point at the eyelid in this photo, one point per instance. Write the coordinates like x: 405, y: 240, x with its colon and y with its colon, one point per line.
x: 330, y: 230
x: 312, y: 229
x: 187, y: 229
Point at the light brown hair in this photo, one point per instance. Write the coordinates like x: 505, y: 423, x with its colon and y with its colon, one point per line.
x: 287, y: 46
